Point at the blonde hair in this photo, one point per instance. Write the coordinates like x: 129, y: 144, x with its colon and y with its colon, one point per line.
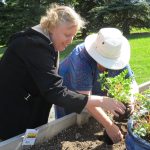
x: 58, y: 14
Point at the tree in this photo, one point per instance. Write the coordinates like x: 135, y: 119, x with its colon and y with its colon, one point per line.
x: 124, y: 14
x: 121, y: 14
x: 83, y: 7
x: 17, y: 15
x: 20, y: 14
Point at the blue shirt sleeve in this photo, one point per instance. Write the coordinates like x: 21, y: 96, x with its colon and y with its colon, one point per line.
x: 130, y: 72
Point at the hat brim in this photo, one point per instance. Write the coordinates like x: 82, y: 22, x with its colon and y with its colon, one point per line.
x: 114, y: 64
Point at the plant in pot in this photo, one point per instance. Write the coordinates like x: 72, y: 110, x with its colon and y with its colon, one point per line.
x: 138, y: 137
x: 119, y: 88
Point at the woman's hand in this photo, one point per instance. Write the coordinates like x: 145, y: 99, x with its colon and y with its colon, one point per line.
x: 108, y: 104
x: 113, y: 106
x: 114, y: 133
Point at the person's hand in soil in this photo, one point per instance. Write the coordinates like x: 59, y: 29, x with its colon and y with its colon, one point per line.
x: 114, y: 133
x: 107, y: 103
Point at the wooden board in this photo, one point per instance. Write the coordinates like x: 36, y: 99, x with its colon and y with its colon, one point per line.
x: 46, y: 131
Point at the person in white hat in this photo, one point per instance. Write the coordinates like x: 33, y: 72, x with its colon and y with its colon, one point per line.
x: 108, y: 50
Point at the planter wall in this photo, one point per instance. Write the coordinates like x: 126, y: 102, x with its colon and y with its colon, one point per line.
x: 46, y: 131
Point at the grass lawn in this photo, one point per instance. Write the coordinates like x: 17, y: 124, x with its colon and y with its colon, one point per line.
x: 140, y: 55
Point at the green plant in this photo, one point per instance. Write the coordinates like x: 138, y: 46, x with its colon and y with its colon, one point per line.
x: 141, y: 116
x: 118, y: 87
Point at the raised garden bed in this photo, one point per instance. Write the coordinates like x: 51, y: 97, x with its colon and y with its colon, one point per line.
x: 86, y: 137
x: 51, y: 137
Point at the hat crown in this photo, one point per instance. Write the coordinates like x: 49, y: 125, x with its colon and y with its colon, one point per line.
x: 109, y: 48
x: 109, y: 43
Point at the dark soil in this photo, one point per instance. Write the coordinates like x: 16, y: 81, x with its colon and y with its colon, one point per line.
x: 86, y: 137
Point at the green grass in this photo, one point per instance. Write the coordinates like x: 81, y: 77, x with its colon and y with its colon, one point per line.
x: 140, y: 55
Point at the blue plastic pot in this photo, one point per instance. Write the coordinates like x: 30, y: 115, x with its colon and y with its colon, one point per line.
x: 134, y: 142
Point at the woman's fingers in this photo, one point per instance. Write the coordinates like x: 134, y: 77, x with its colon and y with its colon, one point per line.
x: 118, y: 108
x: 121, y: 105
x: 113, y: 105
x: 114, y: 113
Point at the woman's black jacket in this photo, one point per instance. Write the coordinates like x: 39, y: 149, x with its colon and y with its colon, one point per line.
x: 29, y: 84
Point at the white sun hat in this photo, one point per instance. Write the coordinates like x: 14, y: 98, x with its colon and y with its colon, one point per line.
x: 108, y: 48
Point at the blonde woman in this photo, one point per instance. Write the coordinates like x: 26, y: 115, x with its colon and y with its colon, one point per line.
x: 30, y: 83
